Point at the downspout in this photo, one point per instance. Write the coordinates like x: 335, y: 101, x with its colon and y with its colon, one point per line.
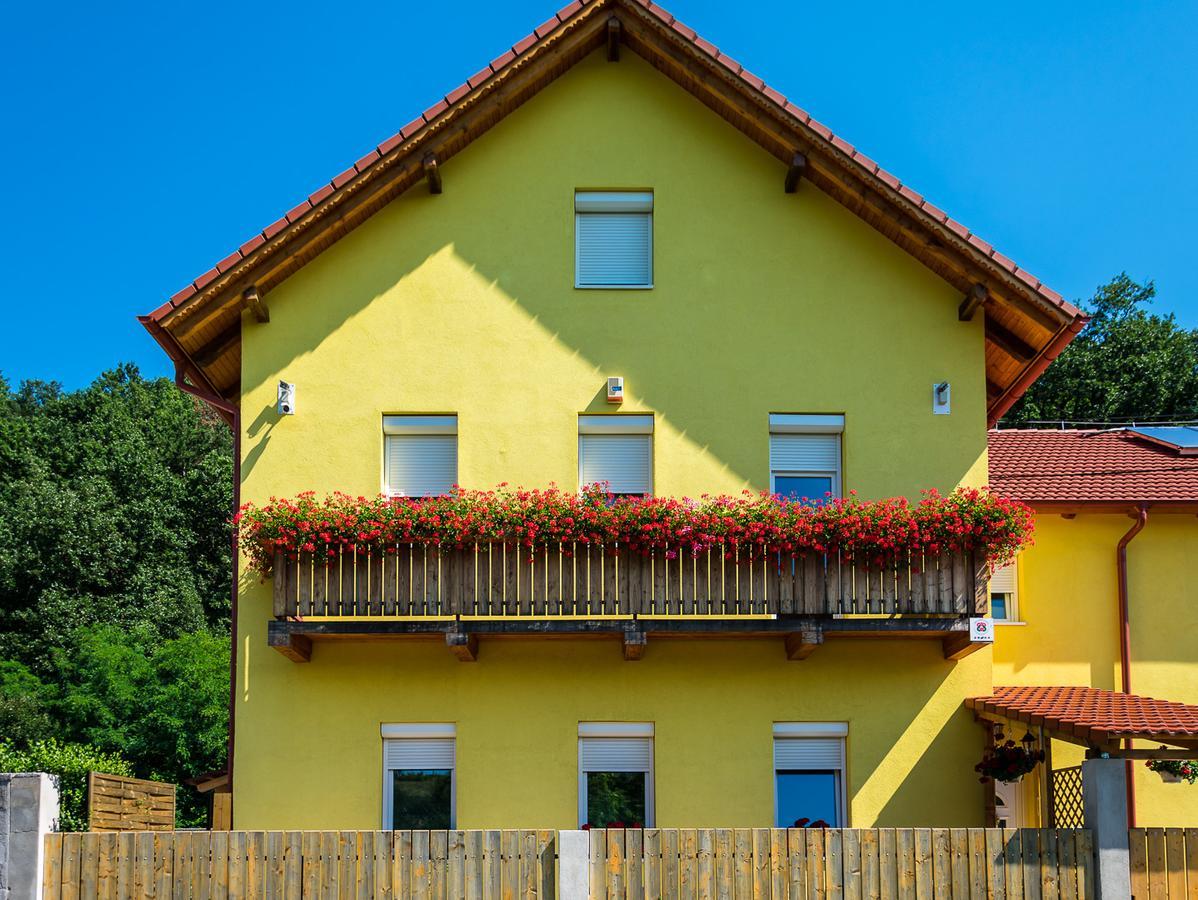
x: 1141, y: 519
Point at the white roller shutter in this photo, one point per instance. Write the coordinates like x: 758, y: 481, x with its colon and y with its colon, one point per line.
x: 808, y: 753
x: 418, y: 753
x: 613, y: 239
x: 1002, y: 581
x: 615, y: 754
x: 805, y: 453
x: 421, y: 465
x: 624, y: 461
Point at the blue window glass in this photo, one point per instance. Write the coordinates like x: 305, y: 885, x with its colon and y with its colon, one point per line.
x: 796, y: 487
x: 998, y: 606
x: 807, y: 795
x: 422, y: 798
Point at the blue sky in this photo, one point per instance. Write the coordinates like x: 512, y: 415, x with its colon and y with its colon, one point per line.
x: 143, y: 142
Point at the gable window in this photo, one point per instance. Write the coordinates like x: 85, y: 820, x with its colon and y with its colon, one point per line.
x: 1004, y: 594
x: 615, y: 774
x: 613, y: 239
x: 420, y: 455
x: 419, y: 788
x: 617, y: 450
x: 805, y: 456
x: 809, y: 773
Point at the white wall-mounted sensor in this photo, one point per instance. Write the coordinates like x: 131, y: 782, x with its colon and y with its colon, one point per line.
x: 286, y: 402
x: 941, y: 398
x: 615, y: 389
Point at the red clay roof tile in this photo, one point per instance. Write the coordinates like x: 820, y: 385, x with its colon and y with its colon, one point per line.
x: 1098, y: 716
x: 1088, y: 466
x: 319, y: 194
x: 229, y: 262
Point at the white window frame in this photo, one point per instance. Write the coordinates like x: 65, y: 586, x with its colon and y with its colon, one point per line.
x: 416, y: 425
x: 624, y: 730
x: 822, y: 423
x: 1007, y: 576
x: 792, y: 731
x: 618, y: 424
x: 418, y: 731
x: 597, y: 203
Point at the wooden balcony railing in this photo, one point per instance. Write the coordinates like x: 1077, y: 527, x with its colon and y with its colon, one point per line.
x: 500, y: 581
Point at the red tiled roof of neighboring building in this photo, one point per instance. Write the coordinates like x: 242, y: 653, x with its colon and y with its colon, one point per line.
x: 1089, y: 466
x: 1092, y: 716
x: 524, y: 46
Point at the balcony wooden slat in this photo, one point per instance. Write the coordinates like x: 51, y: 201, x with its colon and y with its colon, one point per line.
x: 595, y: 581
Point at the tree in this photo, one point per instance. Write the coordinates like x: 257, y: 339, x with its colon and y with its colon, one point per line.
x: 1128, y: 364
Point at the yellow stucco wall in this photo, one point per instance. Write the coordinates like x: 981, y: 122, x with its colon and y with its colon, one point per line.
x: 464, y: 303
x: 1069, y: 601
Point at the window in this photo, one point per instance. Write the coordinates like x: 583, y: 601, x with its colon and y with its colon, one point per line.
x: 805, y: 456
x: 617, y: 450
x: 420, y: 455
x: 419, y: 788
x: 1004, y: 596
x: 615, y: 774
x: 613, y: 239
x: 809, y: 773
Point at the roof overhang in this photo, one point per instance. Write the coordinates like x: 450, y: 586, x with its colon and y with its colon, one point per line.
x: 1026, y: 324
x: 1091, y: 717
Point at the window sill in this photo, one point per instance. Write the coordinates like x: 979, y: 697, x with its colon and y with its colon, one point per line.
x: 613, y: 287
x: 1007, y: 622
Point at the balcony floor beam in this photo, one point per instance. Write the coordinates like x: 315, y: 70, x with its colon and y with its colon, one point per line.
x: 462, y: 645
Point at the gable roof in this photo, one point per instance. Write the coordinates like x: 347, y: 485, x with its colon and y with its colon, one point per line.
x: 1027, y: 324
x: 1075, y: 467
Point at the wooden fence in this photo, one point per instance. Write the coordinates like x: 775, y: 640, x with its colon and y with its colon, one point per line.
x: 301, y: 864
x: 117, y: 803
x: 731, y: 864
x: 1164, y: 863
x: 814, y: 864
x: 496, y: 580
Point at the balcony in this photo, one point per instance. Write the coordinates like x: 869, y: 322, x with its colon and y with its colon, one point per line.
x: 489, y: 590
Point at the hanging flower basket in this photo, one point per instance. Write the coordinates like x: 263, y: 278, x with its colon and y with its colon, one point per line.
x: 1008, y: 762
x: 1175, y: 771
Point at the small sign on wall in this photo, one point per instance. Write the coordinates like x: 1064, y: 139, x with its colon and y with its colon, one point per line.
x: 981, y: 631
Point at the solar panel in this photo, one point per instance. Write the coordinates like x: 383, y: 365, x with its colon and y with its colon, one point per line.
x: 1184, y: 437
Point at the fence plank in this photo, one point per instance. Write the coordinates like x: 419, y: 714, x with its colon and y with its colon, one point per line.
x: 742, y: 850
x: 815, y: 864
x: 1191, y: 862
x: 1158, y: 884
x: 723, y: 863
x: 871, y: 874
x: 1085, y: 866
x: 1175, y: 861
x: 923, y: 864
x: 851, y: 854
x: 697, y: 865
x: 995, y: 865
x: 977, y: 864
x: 1013, y: 860
x: 905, y: 856
x: 598, y: 864
x: 834, y: 862
x: 888, y: 863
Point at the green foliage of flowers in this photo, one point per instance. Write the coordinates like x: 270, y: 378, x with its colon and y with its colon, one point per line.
x: 70, y: 764
x: 747, y: 526
x: 1185, y: 769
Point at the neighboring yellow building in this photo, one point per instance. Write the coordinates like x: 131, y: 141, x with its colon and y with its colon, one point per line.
x: 1090, y: 489
x: 611, y: 199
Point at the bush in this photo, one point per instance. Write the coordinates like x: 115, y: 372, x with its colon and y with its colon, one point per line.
x: 70, y: 764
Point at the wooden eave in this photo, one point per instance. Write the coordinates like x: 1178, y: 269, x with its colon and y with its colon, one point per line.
x: 1025, y: 326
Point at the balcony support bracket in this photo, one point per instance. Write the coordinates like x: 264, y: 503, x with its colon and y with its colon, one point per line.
x: 801, y: 644
x: 635, y: 641
x: 295, y: 646
x: 957, y: 645
x: 464, y: 646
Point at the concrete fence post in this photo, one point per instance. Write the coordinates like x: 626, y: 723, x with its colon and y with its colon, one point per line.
x: 1104, y: 799
x: 573, y: 865
x: 28, y: 812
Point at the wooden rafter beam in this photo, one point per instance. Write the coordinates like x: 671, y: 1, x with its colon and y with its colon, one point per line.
x: 296, y: 647
x: 798, y: 166
x: 432, y: 173
x: 218, y: 346
x: 1009, y: 342
x: 613, y: 39
x: 974, y: 300
x: 252, y: 300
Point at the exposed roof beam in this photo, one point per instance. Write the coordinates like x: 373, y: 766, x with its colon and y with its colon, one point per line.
x: 252, y: 300
x: 1009, y: 342
x: 432, y: 173
x: 973, y: 301
x: 613, y: 39
x: 218, y: 346
x: 798, y: 166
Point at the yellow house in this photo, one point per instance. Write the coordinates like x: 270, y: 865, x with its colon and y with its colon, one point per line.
x: 1105, y: 598
x: 611, y: 255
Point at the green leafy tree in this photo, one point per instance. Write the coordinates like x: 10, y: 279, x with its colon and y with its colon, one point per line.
x: 1129, y: 363
x: 24, y: 716
x: 70, y: 764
